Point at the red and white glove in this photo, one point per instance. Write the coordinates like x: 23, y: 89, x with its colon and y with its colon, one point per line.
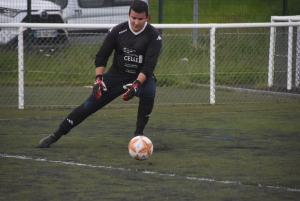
x: 98, y: 85
x: 132, y: 89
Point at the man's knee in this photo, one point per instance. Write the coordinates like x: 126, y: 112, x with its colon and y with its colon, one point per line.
x: 148, y: 89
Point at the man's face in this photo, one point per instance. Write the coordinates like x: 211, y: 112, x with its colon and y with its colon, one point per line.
x: 137, y: 20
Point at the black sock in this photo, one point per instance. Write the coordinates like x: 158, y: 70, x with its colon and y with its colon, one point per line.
x: 144, y: 112
x: 57, y: 134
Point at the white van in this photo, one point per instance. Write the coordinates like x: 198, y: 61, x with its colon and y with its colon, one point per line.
x: 59, y: 11
x: 95, y: 11
x: 15, y: 11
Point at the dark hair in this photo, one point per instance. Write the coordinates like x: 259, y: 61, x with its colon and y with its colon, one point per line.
x: 139, y: 6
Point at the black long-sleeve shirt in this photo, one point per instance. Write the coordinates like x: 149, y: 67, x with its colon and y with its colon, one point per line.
x: 134, y: 52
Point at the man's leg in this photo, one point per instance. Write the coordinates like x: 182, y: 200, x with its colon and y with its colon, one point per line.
x: 77, y: 116
x: 72, y: 120
x: 146, y: 94
x: 144, y: 112
x: 90, y: 106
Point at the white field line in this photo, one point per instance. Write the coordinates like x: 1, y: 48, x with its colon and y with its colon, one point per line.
x: 150, y: 172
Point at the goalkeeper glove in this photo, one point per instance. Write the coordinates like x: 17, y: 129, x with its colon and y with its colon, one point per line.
x: 132, y: 89
x: 98, y: 85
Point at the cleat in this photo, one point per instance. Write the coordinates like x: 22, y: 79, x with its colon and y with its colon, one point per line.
x: 47, y: 141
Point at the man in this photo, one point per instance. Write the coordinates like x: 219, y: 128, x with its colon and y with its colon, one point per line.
x: 137, y: 45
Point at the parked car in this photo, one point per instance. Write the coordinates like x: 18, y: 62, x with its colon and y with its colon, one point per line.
x: 41, y: 12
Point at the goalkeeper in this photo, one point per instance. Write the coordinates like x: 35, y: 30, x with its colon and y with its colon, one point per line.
x: 136, y: 45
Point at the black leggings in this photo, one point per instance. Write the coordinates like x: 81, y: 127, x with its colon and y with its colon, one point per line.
x: 114, y: 84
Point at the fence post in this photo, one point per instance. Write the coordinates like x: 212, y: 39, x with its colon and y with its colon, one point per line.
x: 285, y: 7
x: 29, y: 20
x: 290, y: 59
x: 271, y: 55
x: 21, y: 67
x: 297, y: 75
x: 195, y: 31
x: 212, y: 65
x: 160, y: 13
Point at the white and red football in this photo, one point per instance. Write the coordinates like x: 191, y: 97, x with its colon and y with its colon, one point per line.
x: 140, y: 148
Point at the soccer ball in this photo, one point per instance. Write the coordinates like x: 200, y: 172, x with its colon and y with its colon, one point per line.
x: 140, y: 148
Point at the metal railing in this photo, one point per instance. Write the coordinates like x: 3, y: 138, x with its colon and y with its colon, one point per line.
x: 230, y: 63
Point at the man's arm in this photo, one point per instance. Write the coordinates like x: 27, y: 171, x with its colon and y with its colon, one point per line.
x: 141, y: 78
x: 106, y: 49
x: 153, y: 51
x: 99, y: 84
x: 100, y: 70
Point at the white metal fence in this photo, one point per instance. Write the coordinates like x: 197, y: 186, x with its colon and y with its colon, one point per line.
x: 222, y: 64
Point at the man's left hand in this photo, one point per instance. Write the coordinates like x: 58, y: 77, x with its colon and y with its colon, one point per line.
x: 132, y: 89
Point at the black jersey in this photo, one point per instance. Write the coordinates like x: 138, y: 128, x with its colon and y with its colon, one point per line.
x: 134, y: 52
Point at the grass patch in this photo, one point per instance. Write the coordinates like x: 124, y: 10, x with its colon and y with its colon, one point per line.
x: 254, y: 146
x: 219, y: 11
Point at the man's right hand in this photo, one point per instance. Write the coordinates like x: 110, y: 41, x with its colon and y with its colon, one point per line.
x: 98, y: 85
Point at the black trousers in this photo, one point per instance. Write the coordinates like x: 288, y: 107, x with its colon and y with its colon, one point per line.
x: 146, y: 93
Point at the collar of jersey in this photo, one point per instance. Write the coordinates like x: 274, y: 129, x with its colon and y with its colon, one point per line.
x: 137, y: 33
